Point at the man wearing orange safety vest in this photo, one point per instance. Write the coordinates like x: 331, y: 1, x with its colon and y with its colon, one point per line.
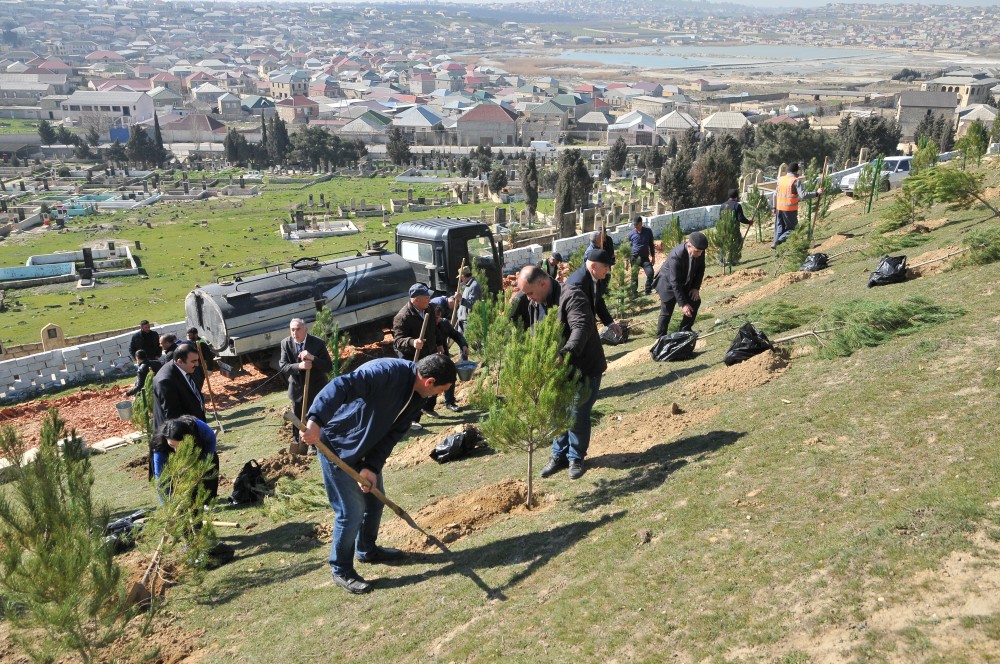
x: 786, y: 203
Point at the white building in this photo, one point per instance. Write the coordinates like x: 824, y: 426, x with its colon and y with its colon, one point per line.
x: 107, y: 108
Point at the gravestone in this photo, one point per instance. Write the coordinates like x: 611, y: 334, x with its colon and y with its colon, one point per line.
x: 53, y: 337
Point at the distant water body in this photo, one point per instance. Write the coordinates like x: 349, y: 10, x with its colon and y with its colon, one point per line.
x: 704, y: 55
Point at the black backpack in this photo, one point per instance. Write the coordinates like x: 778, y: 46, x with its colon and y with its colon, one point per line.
x: 249, y: 486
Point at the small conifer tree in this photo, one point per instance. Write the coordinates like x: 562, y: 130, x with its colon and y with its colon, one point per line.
x: 62, y: 589
x: 726, y: 240
x: 793, y: 251
x: 623, y: 296
x: 488, y: 330
x: 672, y: 235
x: 337, y: 342
x: 536, y: 393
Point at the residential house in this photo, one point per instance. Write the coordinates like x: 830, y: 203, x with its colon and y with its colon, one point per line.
x: 208, y: 93
x: 913, y: 106
x: 966, y: 116
x: 544, y: 122
x: 229, y: 105
x: 165, y: 98
x: 487, y: 124
x: 193, y: 128
x: 107, y: 108
x: 257, y: 105
x: 369, y: 127
x: 637, y: 128
x: 674, y: 125
x: 656, y: 107
x: 297, y: 110
x: 286, y: 84
x: 576, y: 105
x: 593, y: 126
x: 724, y: 122
x: 968, y: 87
x: 422, y: 83
x: 421, y: 126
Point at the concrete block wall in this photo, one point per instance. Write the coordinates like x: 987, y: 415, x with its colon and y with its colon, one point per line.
x: 516, y: 258
x: 27, y: 376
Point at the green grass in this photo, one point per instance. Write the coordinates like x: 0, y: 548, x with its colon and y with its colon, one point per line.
x: 18, y: 126
x: 777, y: 521
x: 183, y: 235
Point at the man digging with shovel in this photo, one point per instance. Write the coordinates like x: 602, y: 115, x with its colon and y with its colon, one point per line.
x: 361, y: 416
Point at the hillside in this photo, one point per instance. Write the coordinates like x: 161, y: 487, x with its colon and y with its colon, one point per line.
x: 789, y: 509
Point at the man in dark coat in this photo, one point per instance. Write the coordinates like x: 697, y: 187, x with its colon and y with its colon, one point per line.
x: 540, y: 296
x: 361, y: 416
x: 472, y: 292
x: 643, y: 254
x: 608, y: 245
x: 144, y: 367
x: 174, y: 390
x: 679, y: 281
x: 409, y: 323
x: 579, y: 302
x: 301, y: 352
x: 145, y: 339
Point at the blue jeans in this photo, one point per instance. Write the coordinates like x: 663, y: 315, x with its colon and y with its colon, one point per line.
x: 359, y: 514
x: 573, y: 444
x: 784, y: 224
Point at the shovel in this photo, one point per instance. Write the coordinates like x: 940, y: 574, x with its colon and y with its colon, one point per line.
x: 400, y: 512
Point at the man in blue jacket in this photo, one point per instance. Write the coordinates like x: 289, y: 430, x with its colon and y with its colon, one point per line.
x: 643, y: 254
x: 361, y: 416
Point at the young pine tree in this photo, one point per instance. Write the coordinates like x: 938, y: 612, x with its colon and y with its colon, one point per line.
x: 726, y: 240
x: 536, y: 393
x: 672, y: 235
x: 62, y: 589
x: 489, y: 330
x: 327, y: 329
x: 623, y: 296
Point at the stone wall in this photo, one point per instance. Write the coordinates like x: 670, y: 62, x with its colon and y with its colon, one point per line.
x: 26, y: 376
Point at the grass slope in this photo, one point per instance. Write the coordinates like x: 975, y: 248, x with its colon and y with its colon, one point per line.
x: 816, y: 517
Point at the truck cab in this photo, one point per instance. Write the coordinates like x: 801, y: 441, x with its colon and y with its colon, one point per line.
x: 436, y: 248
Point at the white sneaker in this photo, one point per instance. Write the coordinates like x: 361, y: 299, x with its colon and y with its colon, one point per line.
x: 416, y: 426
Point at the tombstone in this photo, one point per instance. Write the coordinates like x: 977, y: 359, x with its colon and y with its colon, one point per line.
x: 409, y: 195
x: 111, y: 246
x: 45, y: 184
x: 85, y: 274
x: 310, y: 200
x: 587, y: 222
x: 187, y: 187
x: 52, y: 337
x: 22, y: 185
x: 125, y: 168
x: 88, y: 257
x: 322, y: 201
x: 243, y: 184
x: 145, y: 186
x: 230, y: 179
x: 3, y: 205
x: 500, y: 216
x: 138, y: 245
x: 204, y: 184
x: 300, y: 220
x: 352, y: 203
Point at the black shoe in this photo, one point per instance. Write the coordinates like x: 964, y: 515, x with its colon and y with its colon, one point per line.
x: 576, y: 469
x: 453, y: 407
x: 383, y: 554
x: 352, y: 583
x: 554, y: 466
x: 430, y: 413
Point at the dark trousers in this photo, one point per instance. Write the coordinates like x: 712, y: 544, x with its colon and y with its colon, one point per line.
x: 667, y: 310
x: 784, y: 224
x: 297, y: 409
x: 647, y: 267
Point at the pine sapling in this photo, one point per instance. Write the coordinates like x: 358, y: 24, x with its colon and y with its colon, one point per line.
x: 623, y: 296
x: 536, y: 394
x: 62, y: 589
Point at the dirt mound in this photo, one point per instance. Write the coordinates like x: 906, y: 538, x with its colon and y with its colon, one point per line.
x: 767, y: 290
x: 284, y: 464
x: 228, y: 392
x: 756, y: 371
x: 137, y: 467
x: 166, y: 643
x: 452, y: 518
x: 630, y: 359
x: 736, y: 279
x: 829, y: 243
x: 90, y: 411
x: 134, y: 564
x: 931, y: 268
x: 413, y: 453
x: 321, y: 532
x: 637, y: 432
x: 928, y: 226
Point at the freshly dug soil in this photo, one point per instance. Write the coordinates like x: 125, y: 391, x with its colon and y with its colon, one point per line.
x: 756, y: 371
x: 767, y: 290
x: 830, y: 243
x: 284, y: 464
x: 450, y: 519
x: 637, y: 432
x: 413, y: 452
x: 931, y: 268
x: 630, y: 359
x: 736, y: 279
x: 90, y: 411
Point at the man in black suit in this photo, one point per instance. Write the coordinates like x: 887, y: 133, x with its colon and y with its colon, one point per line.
x: 174, y: 391
x: 145, y: 339
x: 679, y: 282
x: 302, y: 352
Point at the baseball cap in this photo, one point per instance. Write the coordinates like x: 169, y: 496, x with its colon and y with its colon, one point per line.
x: 419, y: 290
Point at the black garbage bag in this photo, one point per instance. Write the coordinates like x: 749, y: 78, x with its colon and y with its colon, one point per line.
x: 457, y: 445
x: 674, y: 347
x: 749, y: 341
x: 250, y: 485
x: 609, y: 337
x: 890, y: 270
x: 120, y: 534
x: 815, y: 263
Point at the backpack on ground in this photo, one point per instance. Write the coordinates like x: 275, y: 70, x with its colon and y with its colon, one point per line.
x: 250, y: 485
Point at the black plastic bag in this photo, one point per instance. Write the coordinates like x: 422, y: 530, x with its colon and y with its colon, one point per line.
x: 674, y: 347
x: 250, y: 485
x: 457, y: 445
x: 609, y: 337
x: 120, y: 534
x: 749, y: 341
x: 890, y: 270
x: 815, y: 263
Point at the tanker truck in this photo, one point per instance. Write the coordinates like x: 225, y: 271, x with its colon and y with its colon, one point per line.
x: 244, y: 315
